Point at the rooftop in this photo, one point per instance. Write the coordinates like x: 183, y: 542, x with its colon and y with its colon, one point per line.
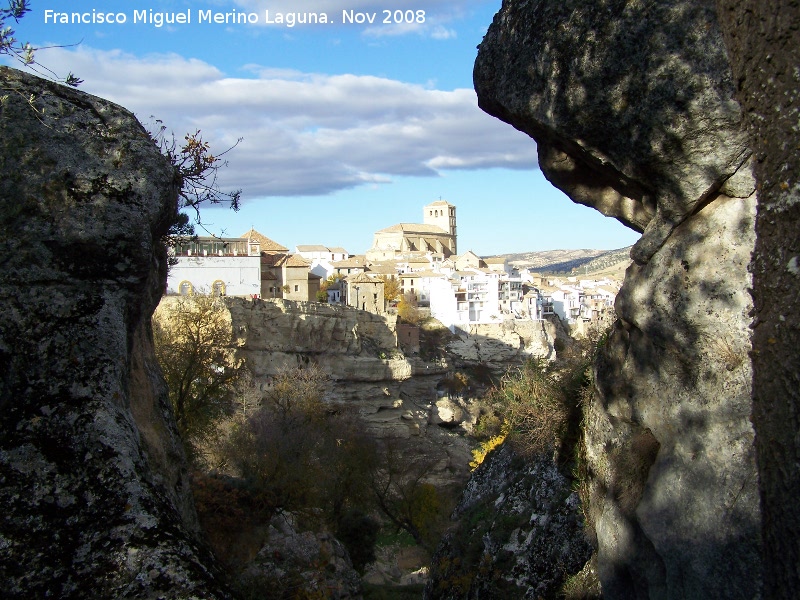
x: 411, y: 228
x: 267, y: 245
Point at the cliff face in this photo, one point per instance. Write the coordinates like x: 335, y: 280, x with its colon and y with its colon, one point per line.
x: 397, y: 395
x: 632, y: 107
x: 92, y: 505
x: 517, y: 533
x: 763, y: 41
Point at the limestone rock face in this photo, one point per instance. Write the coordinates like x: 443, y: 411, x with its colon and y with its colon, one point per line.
x: 301, y: 564
x: 501, y: 345
x: 763, y: 41
x: 516, y: 519
x: 632, y: 106
x: 92, y: 507
x: 347, y: 343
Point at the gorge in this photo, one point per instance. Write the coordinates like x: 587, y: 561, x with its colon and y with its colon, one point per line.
x: 659, y: 114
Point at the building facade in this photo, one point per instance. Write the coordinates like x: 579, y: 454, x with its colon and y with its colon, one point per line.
x: 211, y: 265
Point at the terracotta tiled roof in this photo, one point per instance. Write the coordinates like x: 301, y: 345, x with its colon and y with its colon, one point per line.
x: 293, y: 260
x: 440, y: 203
x: 313, y: 248
x: 267, y: 245
x: 382, y: 269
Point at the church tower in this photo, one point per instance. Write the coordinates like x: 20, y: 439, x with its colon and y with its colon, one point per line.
x: 442, y: 214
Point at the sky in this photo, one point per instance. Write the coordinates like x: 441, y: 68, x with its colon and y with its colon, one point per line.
x: 336, y: 129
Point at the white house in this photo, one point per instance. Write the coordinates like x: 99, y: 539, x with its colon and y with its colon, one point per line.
x: 468, y: 297
x: 211, y: 265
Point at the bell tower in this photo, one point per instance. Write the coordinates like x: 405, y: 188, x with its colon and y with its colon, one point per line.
x: 442, y: 214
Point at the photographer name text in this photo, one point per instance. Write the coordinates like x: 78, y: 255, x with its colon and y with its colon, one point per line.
x: 234, y: 17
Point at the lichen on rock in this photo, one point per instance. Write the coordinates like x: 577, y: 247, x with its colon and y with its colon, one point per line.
x: 89, y: 510
x: 633, y: 108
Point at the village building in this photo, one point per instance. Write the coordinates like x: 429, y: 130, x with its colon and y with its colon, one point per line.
x: 468, y: 260
x: 267, y: 245
x: 365, y: 293
x: 212, y: 265
x: 499, y: 264
x: 292, y: 276
x: 437, y: 234
x: 419, y: 284
x: 350, y: 266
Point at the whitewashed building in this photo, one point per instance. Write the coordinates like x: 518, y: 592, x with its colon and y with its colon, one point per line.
x: 220, y: 266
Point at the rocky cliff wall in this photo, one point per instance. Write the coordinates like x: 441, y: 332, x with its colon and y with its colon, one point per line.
x: 763, y: 42
x: 633, y: 108
x: 92, y: 477
x: 398, y: 395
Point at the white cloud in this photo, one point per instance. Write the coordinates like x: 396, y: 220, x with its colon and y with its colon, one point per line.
x: 304, y: 133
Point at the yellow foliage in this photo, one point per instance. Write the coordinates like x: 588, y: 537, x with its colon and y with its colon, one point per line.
x: 479, y: 454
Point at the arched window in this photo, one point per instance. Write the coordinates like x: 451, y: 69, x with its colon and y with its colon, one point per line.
x: 218, y: 288
x: 185, y: 288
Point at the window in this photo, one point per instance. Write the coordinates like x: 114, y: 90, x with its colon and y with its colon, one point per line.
x: 185, y: 288
x: 218, y: 288
x: 297, y: 288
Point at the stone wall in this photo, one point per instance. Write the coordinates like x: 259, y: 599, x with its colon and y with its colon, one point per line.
x: 92, y: 476
x: 633, y: 108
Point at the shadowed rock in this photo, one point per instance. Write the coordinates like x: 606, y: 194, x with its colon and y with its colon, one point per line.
x: 94, y: 504
x: 632, y: 106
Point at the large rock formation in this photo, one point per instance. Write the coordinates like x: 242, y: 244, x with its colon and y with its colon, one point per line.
x: 764, y: 44
x: 93, y: 505
x: 515, y: 521
x: 632, y: 106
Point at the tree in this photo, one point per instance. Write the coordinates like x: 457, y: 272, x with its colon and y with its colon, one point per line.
x: 193, y: 345
x: 304, y: 455
x: 407, y: 309
x: 391, y: 288
x: 405, y: 498
x: 24, y: 53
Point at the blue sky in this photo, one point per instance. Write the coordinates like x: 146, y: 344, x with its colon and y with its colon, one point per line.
x: 347, y: 128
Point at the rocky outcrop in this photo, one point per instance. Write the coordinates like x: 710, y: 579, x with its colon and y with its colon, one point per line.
x: 396, y: 395
x: 348, y: 344
x: 632, y: 106
x: 505, y: 344
x: 763, y: 42
x: 515, y: 521
x: 93, y: 506
x: 295, y: 564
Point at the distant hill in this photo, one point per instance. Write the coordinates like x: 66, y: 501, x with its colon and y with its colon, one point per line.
x: 570, y: 261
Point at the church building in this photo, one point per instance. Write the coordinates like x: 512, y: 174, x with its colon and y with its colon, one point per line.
x: 436, y: 234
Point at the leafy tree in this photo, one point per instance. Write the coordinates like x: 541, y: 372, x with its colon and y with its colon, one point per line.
x: 303, y: 454
x: 391, y: 288
x: 407, y: 309
x: 193, y: 345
